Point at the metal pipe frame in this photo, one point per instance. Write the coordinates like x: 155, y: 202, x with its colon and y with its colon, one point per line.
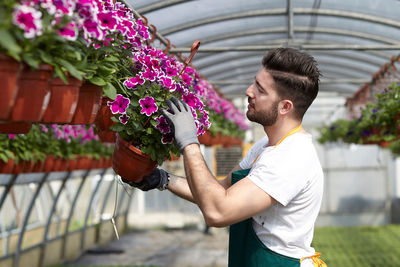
x: 290, y: 19
x: 283, y: 11
x: 323, y: 81
x: 71, y: 212
x: 52, y: 211
x: 90, y: 206
x: 26, y: 219
x: 160, y: 5
x: 108, y: 193
x: 7, y: 189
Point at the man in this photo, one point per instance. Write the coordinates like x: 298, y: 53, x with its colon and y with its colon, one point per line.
x: 272, y: 198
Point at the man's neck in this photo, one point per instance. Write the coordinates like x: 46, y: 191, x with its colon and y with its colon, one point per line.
x: 279, y: 130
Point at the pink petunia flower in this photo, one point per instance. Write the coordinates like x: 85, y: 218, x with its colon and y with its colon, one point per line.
x: 149, y: 74
x: 163, y: 125
x: 44, y: 128
x: 119, y: 105
x: 107, y: 20
x: 29, y: 20
x: 124, y: 118
x: 133, y: 82
x: 167, y: 138
x: 69, y: 32
x: 168, y: 83
x: 11, y: 136
x: 148, y: 105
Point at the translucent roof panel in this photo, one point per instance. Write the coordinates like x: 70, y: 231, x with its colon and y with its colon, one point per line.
x: 349, y: 39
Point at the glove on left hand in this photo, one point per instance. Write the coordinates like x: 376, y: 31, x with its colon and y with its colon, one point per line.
x: 182, y: 123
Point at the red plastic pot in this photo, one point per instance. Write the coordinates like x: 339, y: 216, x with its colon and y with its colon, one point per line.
x: 38, y: 166
x: 205, y: 139
x: 9, y: 71
x: 48, y: 164
x: 15, y: 127
x: 7, y: 167
x: 33, y: 94
x: 63, y: 100
x: 103, y: 119
x: 131, y: 163
x: 88, y: 104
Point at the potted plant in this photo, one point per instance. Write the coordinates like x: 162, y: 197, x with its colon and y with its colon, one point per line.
x: 143, y: 132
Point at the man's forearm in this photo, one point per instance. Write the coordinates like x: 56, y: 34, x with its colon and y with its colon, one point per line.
x: 179, y: 186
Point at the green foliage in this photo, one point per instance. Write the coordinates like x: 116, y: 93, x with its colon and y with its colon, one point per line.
x: 224, y: 126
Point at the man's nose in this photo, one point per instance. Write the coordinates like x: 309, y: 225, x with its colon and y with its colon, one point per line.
x: 249, y: 91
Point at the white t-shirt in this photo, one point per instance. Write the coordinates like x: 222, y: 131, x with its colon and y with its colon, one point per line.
x: 290, y: 173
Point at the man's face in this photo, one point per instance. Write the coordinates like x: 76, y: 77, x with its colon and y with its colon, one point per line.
x: 263, y: 99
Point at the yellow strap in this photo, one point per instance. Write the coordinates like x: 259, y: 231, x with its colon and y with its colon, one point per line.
x: 298, y: 128
x: 316, y: 260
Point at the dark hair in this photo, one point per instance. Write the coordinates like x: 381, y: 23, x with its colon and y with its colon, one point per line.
x: 296, y: 77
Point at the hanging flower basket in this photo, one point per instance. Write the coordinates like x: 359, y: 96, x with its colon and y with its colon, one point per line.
x: 9, y: 71
x: 103, y: 122
x: 88, y: 104
x: 130, y: 163
x: 15, y: 127
x: 63, y: 100
x: 33, y: 94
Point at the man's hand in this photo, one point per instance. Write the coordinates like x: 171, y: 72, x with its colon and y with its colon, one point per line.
x: 182, y: 123
x: 157, y: 179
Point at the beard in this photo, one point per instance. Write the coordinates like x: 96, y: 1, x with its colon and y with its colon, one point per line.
x: 265, y: 118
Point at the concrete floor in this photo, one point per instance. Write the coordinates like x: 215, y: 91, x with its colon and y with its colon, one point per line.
x: 172, y: 248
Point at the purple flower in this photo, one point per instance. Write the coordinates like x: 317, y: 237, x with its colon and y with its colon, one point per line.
x: 107, y: 20
x: 119, y: 105
x: 149, y: 75
x: 69, y: 32
x: 168, y: 83
x: 124, y: 118
x: 171, y: 71
x: 148, y: 105
x: 29, y: 20
x: 133, y: 82
x: 91, y: 29
x: 167, y: 138
x: 11, y: 136
x: 163, y: 125
x: 44, y: 128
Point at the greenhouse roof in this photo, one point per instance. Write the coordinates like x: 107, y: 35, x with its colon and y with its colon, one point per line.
x: 350, y: 40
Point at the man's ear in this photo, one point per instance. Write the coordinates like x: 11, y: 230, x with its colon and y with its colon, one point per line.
x: 285, y: 106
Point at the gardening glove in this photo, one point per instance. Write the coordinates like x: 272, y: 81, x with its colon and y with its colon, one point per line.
x: 157, y: 179
x: 181, y: 121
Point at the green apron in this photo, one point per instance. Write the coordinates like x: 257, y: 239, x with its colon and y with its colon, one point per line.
x: 246, y: 249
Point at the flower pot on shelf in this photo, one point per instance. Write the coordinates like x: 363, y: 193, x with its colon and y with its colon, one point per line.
x: 216, y: 140
x: 226, y: 141
x: 72, y: 164
x: 9, y: 71
x: 48, y: 164
x: 38, y: 166
x: 205, y: 139
x: 63, y: 100
x: 103, y: 120
x: 33, y: 94
x: 130, y: 163
x: 88, y: 104
x: 7, y: 167
x: 15, y: 127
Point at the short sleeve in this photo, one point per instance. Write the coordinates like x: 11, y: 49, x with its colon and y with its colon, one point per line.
x: 277, y: 178
x: 253, y: 152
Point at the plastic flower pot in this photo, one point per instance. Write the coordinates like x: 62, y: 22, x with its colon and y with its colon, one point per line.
x: 131, y: 163
x: 72, y: 164
x: 107, y: 136
x: 205, y: 139
x: 38, y: 166
x: 9, y: 71
x: 103, y: 120
x: 216, y: 140
x: 63, y: 166
x: 15, y: 127
x: 48, y: 163
x: 83, y: 163
x: 33, y: 94
x: 63, y: 100
x: 226, y: 141
x: 6, y: 167
x: 88, y: 104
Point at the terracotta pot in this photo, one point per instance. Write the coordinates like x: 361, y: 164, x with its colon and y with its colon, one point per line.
x: 103, y: 119
x: 96, y: 163
x: 216, y: 140
x: 7, y: 167
x: 236, y: 141
x: 48, y: 164
x: 384, y: 144
x: 205, y: 139
x: 63, y: 100
x: 56, y: 164
x: 131, y: 163
x: 33, y: 94
x: 9, y: 71
x: 72, y: 164
x: 108, y: 162
x: 38, y: 166
x: 107, y: 136
x: 83, y: 163
x: 63, y: 166
x: 15, y: 127
x: 226, y: 141
x: 18, y: 167
x: 88, y: 104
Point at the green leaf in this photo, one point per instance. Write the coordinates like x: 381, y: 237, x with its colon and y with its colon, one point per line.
x: 45, y: 57
x: 112, y: 59
x: 117, y: 127
x: 8, y: 42
x: 31, y: 61
x: 98, y: 81
x: 70, y: 68
x: 110, y: 91
x: 61, y: 74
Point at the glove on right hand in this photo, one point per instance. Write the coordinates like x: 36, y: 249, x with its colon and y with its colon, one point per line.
x: 157, y: 179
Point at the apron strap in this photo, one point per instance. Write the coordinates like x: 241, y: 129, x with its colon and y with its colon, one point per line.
x: 316, y: 260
